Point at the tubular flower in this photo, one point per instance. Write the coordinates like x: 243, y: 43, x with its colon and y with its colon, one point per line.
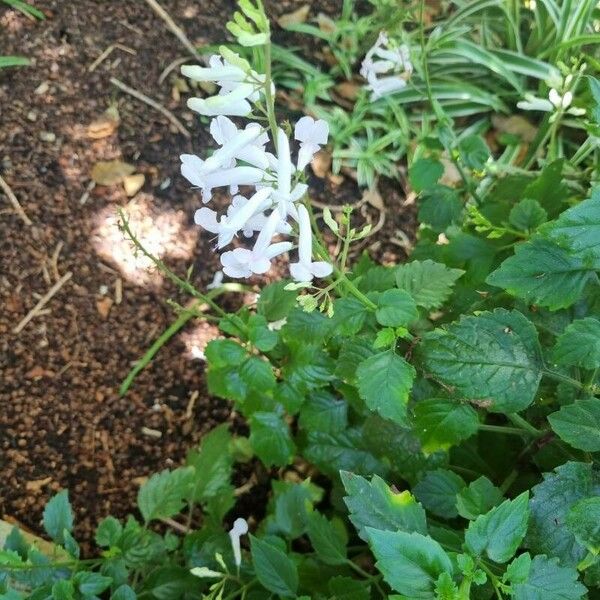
x: 240, y: 528
x: 241, y: 160
x: 386, y: 67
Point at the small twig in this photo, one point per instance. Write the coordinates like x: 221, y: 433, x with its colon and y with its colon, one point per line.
x: 143, y: 98
x: 107, y: 53
x: 54, y: 260
x: 43, y: 300
x: 173, y: 27
x: 175, y: 525
x: 13, y: 200
x: 86, y: 194
x: 170, y: 67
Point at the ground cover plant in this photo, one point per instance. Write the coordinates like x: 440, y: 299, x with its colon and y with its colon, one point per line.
x: 430, y: 429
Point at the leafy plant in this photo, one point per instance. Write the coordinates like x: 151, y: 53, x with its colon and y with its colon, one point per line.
x: 429, y: 430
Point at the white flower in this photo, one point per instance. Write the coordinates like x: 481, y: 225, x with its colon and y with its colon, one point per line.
x: 194, y: 169
x: 305, y: 269
x: 312, y: 135
x: 242, y: 262
x: 217, y: 281
x: 386, y: 67
x: 224, y: 130
x: 238, y: 86
x: 240, y: 528
x: 555, y: 102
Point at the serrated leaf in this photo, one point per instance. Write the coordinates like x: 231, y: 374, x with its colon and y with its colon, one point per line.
x: 163, y: 495
x: 551, y: 502
x: 578, y: 230
x: 274, y: 570
x: 108, y: 532
x: 212, y: 464
x: 410, y: 562
x: 440, y: 207
x: 91, y: 584
x: 271, y: 439
x: 326, y: 539
x: 584, y: 522
x: 225, y: 353
x: 349, y: 315
x: 424, y: 173
x: 549, y: 188
x: 275, y: 302
x: 374, y: 504
x: 442, y: 423
x: 292, y: 507
x: 499, y: 532
x: 527, y: 215
x: 478, y: 498
x: 428, y: 282
x: 258, y: 374
x: 58, y: 517
x: 260, y: 335
x: 323, y: 412
x: 541, y: 272
x: 492, y: 358
x: 578, y: 424
x: 352, y: 353
x: 548, y: 580
x: 348, y: 588
x: 124, y: 592
x: 384, y: 382
x: 474, y: 152
x: 395, y: 308
x: 579, y: 344
x: 437, y: 491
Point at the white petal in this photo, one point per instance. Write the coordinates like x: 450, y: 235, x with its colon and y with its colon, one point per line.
x: 567, y: 99
x: 555, y: 98
x: 284, y: 164
x: 260, y: 265
x: 300, y: 272
x: 278, y: 248
x: 306, y: 153
x: 304, y: 235
x: 321, y: 269
x: 222, y: 129
x: 191, y: 169
x: 234, y: 104
x: 207, y: 218
x: 217, y: 73
x: 304, y: 128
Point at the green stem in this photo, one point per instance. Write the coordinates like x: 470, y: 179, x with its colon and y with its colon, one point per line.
x: 501, y: 429
x: 563, y: 378
x: 367, y: 576
x: 270, y: 100
x: 519, y: 421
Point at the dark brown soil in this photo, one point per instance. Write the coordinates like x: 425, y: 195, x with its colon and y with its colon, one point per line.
x: 62, y: 422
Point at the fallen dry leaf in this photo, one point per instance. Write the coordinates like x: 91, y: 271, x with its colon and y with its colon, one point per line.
x: 348, y: 90
x: 133, y: 184
x: 515, y: 125
x: 373, y: 197
x: 111, y: 172
x: 451, y: 176
x: 37, y: 484
x: 326, y: 24
x: 321, y: 163
x: 38, y: 372
x: 295, y: 17
x: 103, y: 306
x: 104, y: 126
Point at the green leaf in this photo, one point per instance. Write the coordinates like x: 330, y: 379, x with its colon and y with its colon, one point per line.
x: 310, y: 328
x: 442, y: 423
x: 578, y: 230
x: 384, y: 382
x: 578, y: 424
x: 410, y: 562
x: 349, y: 315
x: 428, y: 282
x: 551, y: 502
x: 492, y: 358
x: 108, y: 532
x: 212, y: 464
x: 91, y: 584
x: 584, y: 522
x: 163, y: 495
x: 14, y: 61
x: 258, y: 374
x: 437, y: 492
x: 63, y: 590
x: 478, y: 498
x: 595, y: 89
x: 352, y: 353
x: 225, y: 353
x: 275, y: 302
x: 500, y: 531
x: 58, y: 517
x: 395, y: 308
x: 544, y: 578
x: 440, y: 206
x: 327, y: 540
x: 271, y: 439
x: 323, y: 412
x: 527, y: 215
x: 344, y: 450
x: 124, y: 592
x: 549, y: 188
x: 579, y: 344
x: 424, y: 173
x: 347, y: 588
x: 274, y: 570
x: 474, y: 152
x: 26, y: 8
x: 260, y: 335
x: 543, y: 273
x: 374, y: 504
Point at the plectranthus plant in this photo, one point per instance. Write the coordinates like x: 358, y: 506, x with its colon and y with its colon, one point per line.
x: 276, y: 208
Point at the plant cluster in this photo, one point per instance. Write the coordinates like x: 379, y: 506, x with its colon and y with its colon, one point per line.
x: 430, y: 430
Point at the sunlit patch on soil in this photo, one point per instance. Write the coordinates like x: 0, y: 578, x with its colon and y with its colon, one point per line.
x: 163, y: 233
x: 12, y: 21
x: 196, y: 337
